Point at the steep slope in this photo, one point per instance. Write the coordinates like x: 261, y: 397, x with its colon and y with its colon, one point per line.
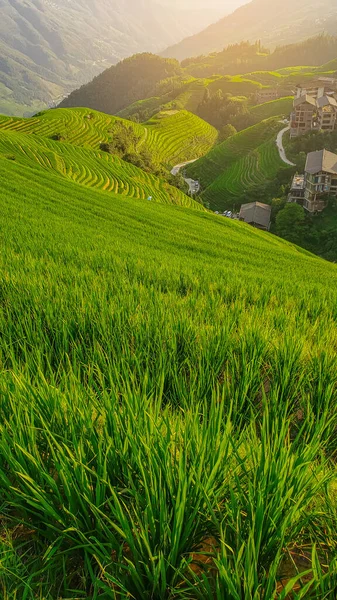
x: 274, y: 22
x: 67, y: 142
x: 142, y: 85
x: 167, y: 377
x: 171, y: 136
x: 243, y: 164
x: 49, y: 48
x: 134, y: 78
x: 87, y: 168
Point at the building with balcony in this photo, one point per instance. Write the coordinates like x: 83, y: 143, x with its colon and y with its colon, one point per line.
x: 326, y: 113
x: 303, y: 116
x: 320, y: 180
x: 297, y: 189
x: 317, y: 88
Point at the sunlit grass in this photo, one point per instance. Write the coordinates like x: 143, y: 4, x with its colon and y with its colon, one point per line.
x: 168, y: 387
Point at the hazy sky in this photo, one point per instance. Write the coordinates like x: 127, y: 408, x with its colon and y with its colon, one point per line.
x: 224, y: 6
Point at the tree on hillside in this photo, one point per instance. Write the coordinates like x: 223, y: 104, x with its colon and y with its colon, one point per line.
x: 226, y: 132
x: 290, y: 222
x: 221, y: 109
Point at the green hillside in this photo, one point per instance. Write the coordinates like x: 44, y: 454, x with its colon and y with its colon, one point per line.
x: 178, y: 136
x: 168, y: 135
x: 79, y: 127
x: 246, y: 176
x: 168, y: 385
x: 144, y: 84
x: 76, y: 155
x: 97, y: 170
x: 208, y: 168
x: 280, y: 107
x: 241, y: 165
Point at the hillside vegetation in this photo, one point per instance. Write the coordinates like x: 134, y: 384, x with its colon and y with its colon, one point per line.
x: 274, y: 23
x: 47, y: 49
x: 233, y: 149
x: 171, y: 136
x: 241, y: 163
x: 282, y: 106
x: 168, y: 384
x: 240, y: 70
x: 68, y: 142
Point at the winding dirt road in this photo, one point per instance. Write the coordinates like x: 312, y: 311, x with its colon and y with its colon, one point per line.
x: 280, y: 147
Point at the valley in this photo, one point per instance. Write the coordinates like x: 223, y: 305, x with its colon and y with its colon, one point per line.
x: 168, y: 311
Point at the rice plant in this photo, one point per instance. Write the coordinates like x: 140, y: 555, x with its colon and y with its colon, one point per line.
x: 168, y: 400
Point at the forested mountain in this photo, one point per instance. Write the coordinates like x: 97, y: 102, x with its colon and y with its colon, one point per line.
x: 274, y: 22
x: 151, y: 81
x: 244, y: 57
x: 132, y: 79
x: 48, y: 48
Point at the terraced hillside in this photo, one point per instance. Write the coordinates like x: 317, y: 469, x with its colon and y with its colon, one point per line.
x: 178, y: 136
x: 186, y: 98
x: 208, y: 168
x: 98, y: 170
x: 281, y: 107
x: 244, y: 177
x: 29, y: 142
x: 169, y: 135
x: 243, y: 162
x: 80, y: 126
x: 167, y: 385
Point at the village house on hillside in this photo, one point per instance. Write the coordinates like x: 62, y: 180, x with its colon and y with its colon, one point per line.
x: 326, y: 113
x: 312, y: 189
x: 320, y: 180
x: 315, y: 107
x: 267, y: 95
x: 317, y: 88
x: 256, y: 214
x: 302, y: 118
x: 296, y: 193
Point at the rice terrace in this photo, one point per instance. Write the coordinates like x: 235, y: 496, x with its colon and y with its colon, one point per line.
x: 168, y: 374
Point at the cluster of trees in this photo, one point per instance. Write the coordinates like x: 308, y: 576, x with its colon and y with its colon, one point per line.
x: 318, y: 233
x: 317, y: 50
x: 221, y: 109
x: 246, y: 57
x: 298, y: 148
x: 234, y: 59
x: 132, y: 79
x: 125, y: 144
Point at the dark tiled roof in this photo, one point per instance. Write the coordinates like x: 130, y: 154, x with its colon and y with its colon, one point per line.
x: 256, y: 212
x: 304, y: 99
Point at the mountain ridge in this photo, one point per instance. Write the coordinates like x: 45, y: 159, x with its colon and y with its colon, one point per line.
x: 49, y: 48
x: 274, y: 23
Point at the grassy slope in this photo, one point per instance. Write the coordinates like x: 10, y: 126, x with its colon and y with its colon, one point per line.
x: 243, y: 162
x: 280, y: 107
x: 90, y: 168
x: 233, y: 149
x: 168, y: 136
x: 178, y: 136
x: 123, y: 328
x: 77, y: 157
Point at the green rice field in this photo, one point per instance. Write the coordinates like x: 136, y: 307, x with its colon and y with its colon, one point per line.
x: 238, y: 165
x: 248, y: 173
x: 168, y: 390
x: 168, y: 135
x: 89, y: 168
x: 281, y: 107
